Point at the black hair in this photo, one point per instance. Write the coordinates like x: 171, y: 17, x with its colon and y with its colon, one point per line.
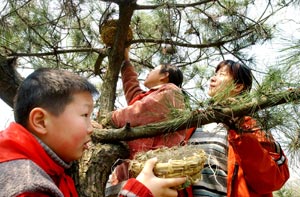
x: 50, y: 89
x: 175, y: 74
x: 241, y: 73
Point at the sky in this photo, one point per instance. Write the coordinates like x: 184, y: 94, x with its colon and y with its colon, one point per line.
x: 6, y: 115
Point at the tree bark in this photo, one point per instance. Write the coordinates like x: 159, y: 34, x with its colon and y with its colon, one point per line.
x: 10, y: 79
x: 115, y: 58
x: 91, y: 173
x: 99, y: 159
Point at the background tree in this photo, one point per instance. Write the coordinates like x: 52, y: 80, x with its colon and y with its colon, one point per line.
x: 194, y: 35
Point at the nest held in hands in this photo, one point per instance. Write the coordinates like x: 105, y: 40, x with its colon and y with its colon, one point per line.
x: 108, y: 32
x: 179, y: 161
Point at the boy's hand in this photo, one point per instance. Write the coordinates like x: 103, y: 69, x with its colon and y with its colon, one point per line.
x: 158, y: 186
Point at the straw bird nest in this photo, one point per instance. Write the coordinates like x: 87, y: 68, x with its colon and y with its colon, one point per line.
x: 180, y: 161
x: 108, y: 32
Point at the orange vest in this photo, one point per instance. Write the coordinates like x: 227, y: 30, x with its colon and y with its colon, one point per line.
x: 256, y: 163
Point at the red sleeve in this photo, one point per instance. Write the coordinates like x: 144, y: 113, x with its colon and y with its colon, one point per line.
x: 261, y: 158
x: 131, y: 85
x: 135, y: 188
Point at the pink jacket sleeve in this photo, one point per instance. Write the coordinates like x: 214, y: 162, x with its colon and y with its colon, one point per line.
x: 131, y: 85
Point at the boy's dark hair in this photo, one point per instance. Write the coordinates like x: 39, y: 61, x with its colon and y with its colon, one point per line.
x: 50, y: 89
x: 175, y: 74
x: 241, y: 73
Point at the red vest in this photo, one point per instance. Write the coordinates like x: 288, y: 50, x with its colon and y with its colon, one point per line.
x: 17, y: 143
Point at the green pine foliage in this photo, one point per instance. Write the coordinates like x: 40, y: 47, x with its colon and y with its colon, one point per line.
x: 65, y: 34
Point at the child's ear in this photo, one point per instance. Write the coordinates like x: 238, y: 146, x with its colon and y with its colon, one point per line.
x: 37, y: 120
x: 238, y: 88
x: 165, y: 77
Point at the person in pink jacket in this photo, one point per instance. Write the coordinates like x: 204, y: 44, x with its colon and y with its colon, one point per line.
x: 144, y: 107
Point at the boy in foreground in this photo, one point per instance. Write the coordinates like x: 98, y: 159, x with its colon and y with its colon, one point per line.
x: 52, y: 128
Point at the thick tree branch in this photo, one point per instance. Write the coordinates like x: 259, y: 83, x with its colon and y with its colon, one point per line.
x: 115, y: 58
x: 197, y: 118
x: 108, y: 89
x: 10, y: 79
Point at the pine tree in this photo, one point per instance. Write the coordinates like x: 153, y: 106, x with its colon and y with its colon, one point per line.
x: 194, y: 35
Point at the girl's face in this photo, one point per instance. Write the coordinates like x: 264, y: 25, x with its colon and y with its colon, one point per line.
x: 220, y: 81
x: 155, y: 78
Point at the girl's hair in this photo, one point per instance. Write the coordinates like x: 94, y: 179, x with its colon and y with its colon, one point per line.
x: 50, y: 89
x: 175, y: 74
x: 241, y: 73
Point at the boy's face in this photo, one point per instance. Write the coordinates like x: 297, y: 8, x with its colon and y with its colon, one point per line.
x: 69, y: 133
